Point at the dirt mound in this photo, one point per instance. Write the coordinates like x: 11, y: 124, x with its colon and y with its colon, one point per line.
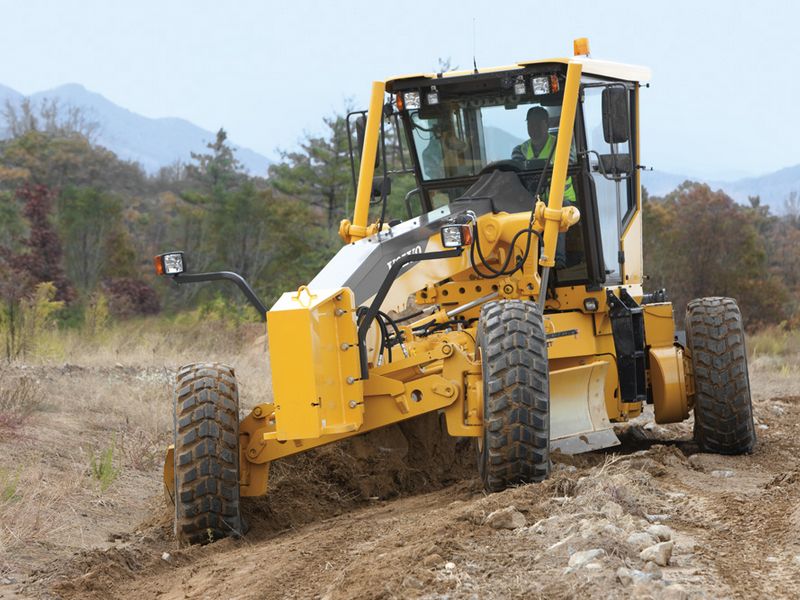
x: 405, y: 459
x: 437, y: 544
x: 394, y: 462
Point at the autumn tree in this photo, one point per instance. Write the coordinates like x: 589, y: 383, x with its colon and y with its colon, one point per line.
x: 42, y: 258
x: 41, y: 158
x: 699, y: 242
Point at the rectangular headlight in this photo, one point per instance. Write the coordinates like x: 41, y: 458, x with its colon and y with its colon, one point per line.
x: 455, y: 236
x: 170, y: 263
x: 411, y: 100
x: 541, y: 85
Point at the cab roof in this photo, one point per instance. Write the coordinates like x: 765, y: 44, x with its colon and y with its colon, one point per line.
x: 590, y: 66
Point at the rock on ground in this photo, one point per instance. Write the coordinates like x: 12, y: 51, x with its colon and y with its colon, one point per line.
x: 641, y: 540
x: 506, y: 518
x: 578, y: 559
x: 660, y: 532
x: 658, y: 553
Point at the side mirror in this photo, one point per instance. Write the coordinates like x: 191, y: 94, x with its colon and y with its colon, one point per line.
x: 616, y: 165
x: 616, y: 118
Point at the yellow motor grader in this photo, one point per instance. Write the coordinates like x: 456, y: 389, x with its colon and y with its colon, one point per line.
x: 509, y: 299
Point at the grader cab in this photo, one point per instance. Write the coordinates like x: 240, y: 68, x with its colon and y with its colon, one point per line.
x: 509, y: 299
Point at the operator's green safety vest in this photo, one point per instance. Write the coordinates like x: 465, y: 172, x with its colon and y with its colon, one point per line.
x: 527, y: 151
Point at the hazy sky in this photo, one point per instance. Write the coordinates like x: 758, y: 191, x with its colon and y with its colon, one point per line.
x: 723, y: 100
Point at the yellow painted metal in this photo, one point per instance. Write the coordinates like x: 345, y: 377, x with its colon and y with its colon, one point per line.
x: 367, y: 169
x: 667, y: 374
x: 169, y: 471
x: 553, y: 215
x: 565, y: 343
x: 688, y: 369
x: 426, y: 394
x: 315, y: 364
x: 616, y: 410
x: 464, y: 418
x: 577, y: 401
x: 659, y: 324
x: 667, y: 379
x: 439, y: 375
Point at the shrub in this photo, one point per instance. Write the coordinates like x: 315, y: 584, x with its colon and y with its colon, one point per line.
x: 129, y: 297
x: 24, y: 320
x: 102, y: 466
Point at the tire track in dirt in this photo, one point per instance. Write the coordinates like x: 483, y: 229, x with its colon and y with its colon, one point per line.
x: 748, y: 524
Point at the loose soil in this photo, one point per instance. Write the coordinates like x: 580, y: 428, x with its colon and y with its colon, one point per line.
x: 399, y: 513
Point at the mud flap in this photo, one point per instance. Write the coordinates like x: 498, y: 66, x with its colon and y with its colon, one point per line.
x: 578, y: 418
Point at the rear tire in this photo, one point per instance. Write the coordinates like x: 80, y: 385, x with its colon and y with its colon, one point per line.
x: 723, y: 411
x: 206, y: 410
x: 515, y: 447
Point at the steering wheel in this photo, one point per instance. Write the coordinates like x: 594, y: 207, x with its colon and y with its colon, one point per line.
x: 513, y: 166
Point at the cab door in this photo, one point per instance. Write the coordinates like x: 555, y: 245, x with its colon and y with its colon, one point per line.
x: 609, y: 154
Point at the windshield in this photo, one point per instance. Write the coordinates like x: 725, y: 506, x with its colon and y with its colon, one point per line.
x: 458, y: 139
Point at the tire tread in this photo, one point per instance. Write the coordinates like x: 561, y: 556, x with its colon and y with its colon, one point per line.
x: 723, y: 412
x: 206, y: 420
x: 516, y: 439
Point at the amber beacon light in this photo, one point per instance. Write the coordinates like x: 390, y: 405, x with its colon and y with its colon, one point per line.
x: 581, y: 46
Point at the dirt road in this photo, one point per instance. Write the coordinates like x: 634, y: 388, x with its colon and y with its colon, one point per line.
x: 393, y: 517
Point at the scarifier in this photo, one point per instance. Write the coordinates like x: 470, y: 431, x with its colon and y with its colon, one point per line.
x: 509, y: 300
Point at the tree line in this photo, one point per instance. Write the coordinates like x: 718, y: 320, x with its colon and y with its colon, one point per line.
x: 79, y: 227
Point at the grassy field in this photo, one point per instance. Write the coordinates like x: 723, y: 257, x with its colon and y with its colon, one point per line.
x: 85, y: 420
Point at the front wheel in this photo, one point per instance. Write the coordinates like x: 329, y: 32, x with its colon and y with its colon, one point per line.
x: 515, y: 447
x: 723, y: 411
x: 206, y: 409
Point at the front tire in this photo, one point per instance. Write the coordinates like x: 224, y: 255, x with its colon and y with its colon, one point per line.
x: 723, y: 411
x: 515, y: 447
x: 206, y: 411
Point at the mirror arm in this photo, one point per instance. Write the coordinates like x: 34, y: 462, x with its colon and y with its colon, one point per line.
x: 601, y: 169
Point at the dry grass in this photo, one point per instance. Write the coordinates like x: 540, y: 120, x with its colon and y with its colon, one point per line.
x: 775, y: 358
x: 20, y: 397
x: 774, y: 342
x: 85, y: 421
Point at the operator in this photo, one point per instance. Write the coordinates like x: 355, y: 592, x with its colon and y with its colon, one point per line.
x: 540, y: 146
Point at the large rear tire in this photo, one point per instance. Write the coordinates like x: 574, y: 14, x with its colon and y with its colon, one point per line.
x: 723, y: 412
x: 515, y: 447
x: 206, y: 410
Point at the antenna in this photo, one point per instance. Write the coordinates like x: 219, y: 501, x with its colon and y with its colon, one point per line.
x: 474, y: 62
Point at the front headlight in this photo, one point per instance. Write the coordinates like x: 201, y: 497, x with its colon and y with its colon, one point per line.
x: 170, y: 263
x: 455, y: 236
x: 540, y: 85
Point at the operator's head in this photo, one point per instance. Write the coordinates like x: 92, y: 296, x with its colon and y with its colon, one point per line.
x: 537, y: 119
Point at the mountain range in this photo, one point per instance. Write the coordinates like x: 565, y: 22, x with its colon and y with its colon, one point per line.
x: 773, y: 188
x: 156, y: 143
x: 153, y: 143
